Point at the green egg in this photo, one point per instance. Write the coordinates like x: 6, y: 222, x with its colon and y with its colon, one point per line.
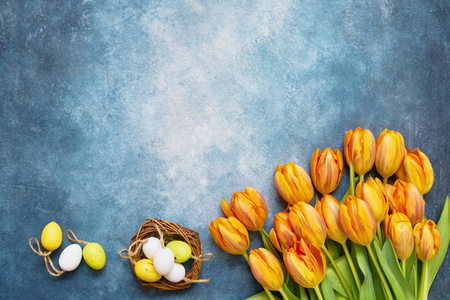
x: 181, y: 251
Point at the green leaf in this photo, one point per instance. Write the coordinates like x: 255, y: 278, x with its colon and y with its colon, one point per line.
x: 261, y: 296
x: 312, y: 294
x: 367, y: 291
x: 411, y: 270
x: 334, y: 248
x: 444, y: 229
x: 335, y: 282
x: 327, y: 290
x: 378, y: 286
x: 289, y: 293
x: 387, y: 258
x: 302, y: 292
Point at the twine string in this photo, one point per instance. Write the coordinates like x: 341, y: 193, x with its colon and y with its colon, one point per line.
x: 195, y: 280
x: 74, y: 238
x: 203, y: 257
x: 161, y: 236
x: 48, y: 261
x: 131, y: 253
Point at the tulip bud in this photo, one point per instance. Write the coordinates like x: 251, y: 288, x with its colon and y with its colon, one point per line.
x: 274, y: 240
x: 416, y: 169
x: 329, y: 208
x: 358, y: 221
x: 284, y: 231
x: 293, y: 184
x: 266, y: 268
x: 428, y: 240
x: 326, y: 170
x: 405, y: 198
x: 230, y: 235
x: 398, y: 227
x: 249, y: 207
x: 359, y: 148
x: 308, y: 223
x: 390, y: 152
x: 373, y: 192
x: 306, y: 264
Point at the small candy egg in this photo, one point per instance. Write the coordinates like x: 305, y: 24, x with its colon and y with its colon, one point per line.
x: 70, y: 258
x: 163, y: 261
x: 51, y: 237
x: 94, y: 256
x: 177, y: 273
x: 181, y: 251
x: 151, y: 246
x: 145, y: 270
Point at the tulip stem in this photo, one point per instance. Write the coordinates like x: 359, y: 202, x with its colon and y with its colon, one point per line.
x: 352, y: 266
x: 361, y: 178
x: 319, y: 294
x: 380, y: 273
x: 385, y: 180
x: 283, y: 293
x: 269, y: 294
x: 352, y: 178
x: 246, y: 257
x: 403, y: 262
x: 380, y: 238
x: 423, y: 293
x: 338, y: 272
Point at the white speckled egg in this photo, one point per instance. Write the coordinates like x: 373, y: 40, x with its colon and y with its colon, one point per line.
x: 70, y: 258
x: 177, y: 273
x: 163, y: 261
x: 151, y: 246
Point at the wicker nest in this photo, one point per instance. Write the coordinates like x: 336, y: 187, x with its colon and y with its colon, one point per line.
x: 169, y: 231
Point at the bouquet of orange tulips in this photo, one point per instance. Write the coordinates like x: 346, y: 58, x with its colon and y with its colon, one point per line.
x: 375, y: 243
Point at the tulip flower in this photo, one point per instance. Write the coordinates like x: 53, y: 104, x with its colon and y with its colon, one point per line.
x: 230, y: 235
x: 267, y: 269
x: 249, y: 207
x: 293, y: 184
x: 285, y: 234
x: 306, y: 265
x: 329, y: 208
x: 308, y: 223
x: 359, y: 149
x: 358, y: 221
x: 274, y: 240
x: 390, y: 153
x: 416, y: 169
x: 326, y: 170
x: 405, y: 198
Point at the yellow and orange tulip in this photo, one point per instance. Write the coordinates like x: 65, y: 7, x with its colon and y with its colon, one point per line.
x: 308, y: 223
x: 398, y: 227
x: 405, y: 198
x: 373, y: 192
x: 274, y: 240
x: 390, y: 152
x: 266, y: 268
x: 326, y: 170
x: 286, y: 235
x: 249, y: 207
x: 360, y: 149
x: 230, y: 235
x: 329, y: 208
x: 358, y: 221
x: 416, y: 169
x: 293, y: 184
x: 428, y: 240
x: 306, y: 264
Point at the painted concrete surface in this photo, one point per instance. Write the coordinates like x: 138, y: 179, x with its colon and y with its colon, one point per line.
x: 112, y: 112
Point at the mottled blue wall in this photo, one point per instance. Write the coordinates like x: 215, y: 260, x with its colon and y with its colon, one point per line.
x: 116, y: 111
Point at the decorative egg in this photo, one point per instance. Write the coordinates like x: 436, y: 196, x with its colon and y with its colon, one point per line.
x: 51, y: 237
x: 151, y: 246
x: 177, y: 273
x: 181, y: 251
x: 70, y: 258
x: 94, y: 256
x: 163, y: 261
x: 145, y: 270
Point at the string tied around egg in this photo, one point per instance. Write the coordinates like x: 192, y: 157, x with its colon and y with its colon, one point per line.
x: 52, y: 270
x: 132, y: 253
x: 72, y: 237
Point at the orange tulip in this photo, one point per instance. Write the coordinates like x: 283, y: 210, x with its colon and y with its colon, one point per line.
x: 274, y: 240
x: 358, y: 221
x: 266, y: 268
x: 249, y: 207
x: 405, y: 198
x: 326, y: 170
x: 416, y: 169
x: 428, y: 240
x: 373, y: 192
x: 398, y: 227
x: 308, y: 223
x: 284, y: 231
x: 293, y: 184
x: 390, y: 152
x: 230, y: 234
x: 306, y: 264
x: 329, y: 208
x: 359, y: 148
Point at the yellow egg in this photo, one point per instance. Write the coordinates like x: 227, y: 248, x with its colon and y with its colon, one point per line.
x: 145, y: 270
x: 51, y: 237
x: 181, y: 251
x: 94, y: 256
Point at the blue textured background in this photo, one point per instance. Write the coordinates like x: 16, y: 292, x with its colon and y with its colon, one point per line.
x: 116, y: 111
